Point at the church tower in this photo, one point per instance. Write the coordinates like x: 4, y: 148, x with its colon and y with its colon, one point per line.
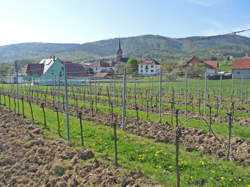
x: 119, y: 53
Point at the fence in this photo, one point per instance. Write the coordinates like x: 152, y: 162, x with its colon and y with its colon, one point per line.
x: 139, y: 98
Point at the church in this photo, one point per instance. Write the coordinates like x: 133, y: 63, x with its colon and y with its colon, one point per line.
x: 120, y: 62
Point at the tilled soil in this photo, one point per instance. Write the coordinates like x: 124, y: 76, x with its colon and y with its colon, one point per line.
x: 28, y: 157
x: 191, y: 138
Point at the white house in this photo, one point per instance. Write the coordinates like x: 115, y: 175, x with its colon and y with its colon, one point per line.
x: 149, y: 67
x: 241, y: 68
x: 100, y: 66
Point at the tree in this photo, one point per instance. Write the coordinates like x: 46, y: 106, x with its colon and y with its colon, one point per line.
x: 132, y: 65
x: 169, y: 66
x: 199, y: 70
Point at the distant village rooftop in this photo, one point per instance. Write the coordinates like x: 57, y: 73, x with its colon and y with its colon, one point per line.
x: 243, y: 63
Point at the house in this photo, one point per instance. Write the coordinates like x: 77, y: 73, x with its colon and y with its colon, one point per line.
x: 241, y: 68
x: 211, y: 65
x: 51, y: 72
x: 99, y: 66
x: 149, y: 67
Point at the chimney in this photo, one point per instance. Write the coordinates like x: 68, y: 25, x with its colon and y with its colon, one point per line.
x: 247, y: 55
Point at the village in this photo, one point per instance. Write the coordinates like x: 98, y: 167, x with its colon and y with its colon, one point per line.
x: 50, y: 71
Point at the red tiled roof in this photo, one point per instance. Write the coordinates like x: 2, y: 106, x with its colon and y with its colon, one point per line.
x: 99, y: 64
x: 213, y: 64
x: 241, y: 63
x: 150, y: 62
x: 35, y: 68
x: 75, y: 70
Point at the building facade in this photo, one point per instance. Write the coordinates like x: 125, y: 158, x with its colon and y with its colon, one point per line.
x: 149, y: 67
x: 241, y: 68
x: 51, y: 72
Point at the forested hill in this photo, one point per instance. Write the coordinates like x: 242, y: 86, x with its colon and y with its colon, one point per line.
x: 139, y: 46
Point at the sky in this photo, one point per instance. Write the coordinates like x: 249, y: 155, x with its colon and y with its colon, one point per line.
x: 81, y: 21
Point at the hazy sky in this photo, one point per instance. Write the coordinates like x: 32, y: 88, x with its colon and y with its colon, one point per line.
x: 80, y: 21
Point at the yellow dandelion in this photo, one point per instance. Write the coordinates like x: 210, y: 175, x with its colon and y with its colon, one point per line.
x: 165, y: 153
x: 230, y: 180
x: 212, y: 171
x: 222, y: 178
x: 240, y: 179
x: 191, y: 177
x: 202, y: 163
x: 170, y: 167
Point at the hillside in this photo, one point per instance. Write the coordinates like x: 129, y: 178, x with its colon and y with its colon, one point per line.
x: 140, y: 46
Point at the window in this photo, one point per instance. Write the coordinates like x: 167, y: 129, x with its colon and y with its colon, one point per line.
x: 141, y: 70
x: 152, y: 66
x: 146, y: 70
x: 146, y: 67
x: 152, y: 70
x: 141, y: 66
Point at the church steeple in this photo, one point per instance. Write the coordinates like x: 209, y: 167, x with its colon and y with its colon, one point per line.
x: 119, y: 52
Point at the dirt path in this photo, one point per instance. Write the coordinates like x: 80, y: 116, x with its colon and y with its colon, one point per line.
x: 28, y: 157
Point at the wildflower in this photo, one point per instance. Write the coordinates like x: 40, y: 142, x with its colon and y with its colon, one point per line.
x: 202, y: 163
x: 222, y: 178
x: 160, y: 167
x: 240, y: 179
x: 165, y: 153
x: 212, y: 171
x: 191, y: 177
x: 170, y: 167
x: 230, y: 180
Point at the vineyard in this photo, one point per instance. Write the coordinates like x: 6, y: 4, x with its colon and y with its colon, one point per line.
x: 184, y: 130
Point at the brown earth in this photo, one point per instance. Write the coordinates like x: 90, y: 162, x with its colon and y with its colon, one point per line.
x: 29, y: 157
x: 191, y: 138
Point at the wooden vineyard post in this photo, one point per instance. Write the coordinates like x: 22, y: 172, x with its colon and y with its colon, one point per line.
x: 124, y: 99
x: 14, y: 104
x: 17, y: 86
x: 229, y: 135
x: 178, y: 134
x: 115, y: 143
x: 186, y: 90
x: 137, y: 120
x: 58, y: 122
x: 67, y: 103
x: 220, y: 90
x: 160, y: 95
x: 205, y: 94
x: 80, y: 119
x: 147, y: 103
x: 44, y: 116
x: 92, y: 108
x: 9, y: 103
x: 63, y: 103
x: 210, y: 118
x: 23, y: 106
x: 31, y: 111
x: 217, y: 106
